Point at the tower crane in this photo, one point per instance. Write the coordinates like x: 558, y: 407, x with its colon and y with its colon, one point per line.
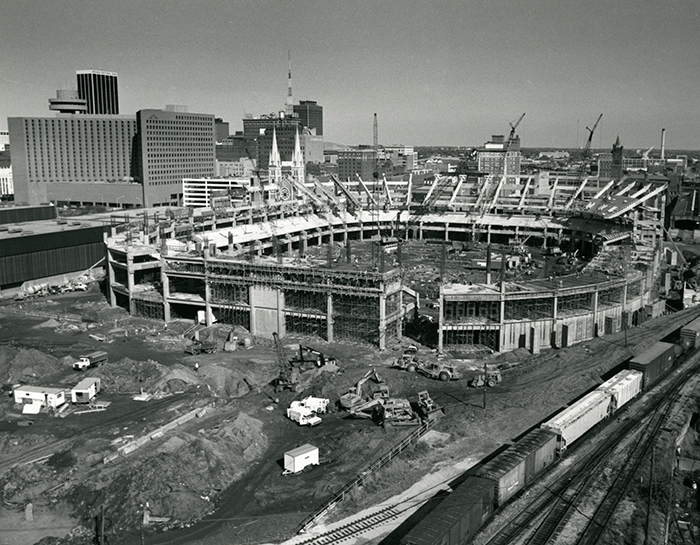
x: 585, y: 156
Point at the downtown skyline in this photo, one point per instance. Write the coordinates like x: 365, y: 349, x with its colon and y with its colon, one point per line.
x: 452, y: 73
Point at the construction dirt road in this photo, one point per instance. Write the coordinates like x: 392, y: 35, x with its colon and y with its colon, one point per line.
x: 208, y: 444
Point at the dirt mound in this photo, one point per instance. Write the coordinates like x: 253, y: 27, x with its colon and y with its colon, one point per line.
x: 232, y: 380
x: 7, y: 354
x: 183, y: 480
x: 30, y: 365
x: 177, y: 379
x: 129, y: 376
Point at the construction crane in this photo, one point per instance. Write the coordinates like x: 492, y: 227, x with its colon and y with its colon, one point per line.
x: 585, y: 155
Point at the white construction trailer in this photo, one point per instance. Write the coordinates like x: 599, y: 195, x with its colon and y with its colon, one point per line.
x: 300, y: 458
x: 48, y: 397
x: 85, y: 390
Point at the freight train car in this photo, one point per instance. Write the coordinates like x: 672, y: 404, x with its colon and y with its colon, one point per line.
x: 457, y: 518
x: 518, y: 465
x: 462, y: 514
x: 577, y: 419
x: 655, y: 362
x: 690, y: 335
x: 623, y: 387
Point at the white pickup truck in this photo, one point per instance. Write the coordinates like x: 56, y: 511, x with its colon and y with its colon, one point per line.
x: 306, y: 411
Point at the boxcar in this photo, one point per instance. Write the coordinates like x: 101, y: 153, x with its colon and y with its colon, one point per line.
x: 457, y: 518
x: 654, y: 362
x: 690, y: 334
x: 517, y: 466
x: 623, y: 387
x: 574, y: 421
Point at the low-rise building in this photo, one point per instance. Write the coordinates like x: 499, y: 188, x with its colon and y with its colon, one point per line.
x: 42, y: 395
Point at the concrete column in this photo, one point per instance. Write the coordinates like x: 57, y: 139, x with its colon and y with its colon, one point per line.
x: 290, y: 243
x: 130, y: 279
x: 447, y: 231
x: 488, y: 234
x: 207, y: 304
x: 362, y: 230
x: 596, y: 327
x: 165, y: 280
x: 420, y: 230
x: 304, y: 242
x: 111, y: 275
x: 319, y: 237
x: 281, y: 324
x: 382, y: 322
x: 251, y: 302
x: 544, y: 242
x: 534, y: 340
x: 554, y: 321
x: 345, y: 233
x: 441, y: 319
x: 329, y: 319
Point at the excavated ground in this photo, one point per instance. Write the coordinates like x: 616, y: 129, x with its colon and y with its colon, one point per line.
x: 224, y: 468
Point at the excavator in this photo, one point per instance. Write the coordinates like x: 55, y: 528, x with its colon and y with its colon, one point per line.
x: 289, y: 375
x: 353, y: 398
x: 318, y: 359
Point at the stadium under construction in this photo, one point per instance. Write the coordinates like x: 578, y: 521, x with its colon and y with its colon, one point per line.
x: 246, y: 261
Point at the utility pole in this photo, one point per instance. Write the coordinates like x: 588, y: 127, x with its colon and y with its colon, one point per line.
x: 102, y: 521
x: 485, y: 381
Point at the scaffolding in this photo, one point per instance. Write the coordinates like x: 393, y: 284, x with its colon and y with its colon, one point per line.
x: 232, y: 315
x: 228, y: 293
x: 609, y: 297
x: 306, y: 324
x: 578, y: 303
x: 149, y: 309
x: 456, y: 311
x: 308, y: 301
x: 356, y: 318
x: 529, y: 309
x: 454, y: 339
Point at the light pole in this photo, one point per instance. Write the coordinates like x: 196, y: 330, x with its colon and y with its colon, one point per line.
x: 119, y: 197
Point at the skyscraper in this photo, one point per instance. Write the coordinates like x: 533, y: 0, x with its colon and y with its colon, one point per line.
x: 310, y: 115
x: 172, y: 144
x: 99, y: 88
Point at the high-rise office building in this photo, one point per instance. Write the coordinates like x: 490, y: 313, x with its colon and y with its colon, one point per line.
x: 100, y: 90
x: 73, y: 158
x: 310, y: 115
x: 172, y: 144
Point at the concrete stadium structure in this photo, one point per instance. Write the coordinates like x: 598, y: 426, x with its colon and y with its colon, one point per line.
x: 245, y: 264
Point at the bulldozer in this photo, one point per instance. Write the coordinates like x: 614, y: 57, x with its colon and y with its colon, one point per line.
x: 428, y: 410
x: 491, y: 378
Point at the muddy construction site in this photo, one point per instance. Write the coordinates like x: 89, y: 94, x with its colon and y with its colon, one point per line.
x: 173, y: 452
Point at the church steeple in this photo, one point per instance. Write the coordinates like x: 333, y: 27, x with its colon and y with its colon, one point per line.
x: 275, y: 163
x: 298, y: 167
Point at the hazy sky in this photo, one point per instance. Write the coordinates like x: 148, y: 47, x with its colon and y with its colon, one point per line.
x: 443, y: 72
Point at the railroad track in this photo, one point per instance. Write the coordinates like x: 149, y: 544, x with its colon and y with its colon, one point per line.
x: 559, y: 500
x: 352, y: 529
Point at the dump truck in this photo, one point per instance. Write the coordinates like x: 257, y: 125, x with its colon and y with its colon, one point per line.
x: 439, y: 370
x: 93, y: 359
x: 491, y: 378
x: 201, y: 347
